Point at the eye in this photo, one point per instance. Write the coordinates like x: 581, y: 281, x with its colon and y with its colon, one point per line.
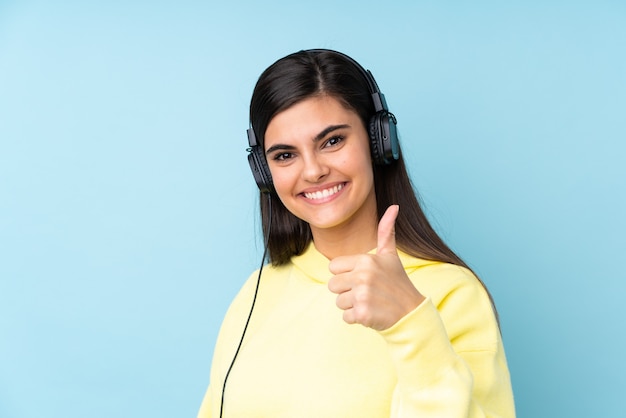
x: 282, y: 156
x: 333, y: 141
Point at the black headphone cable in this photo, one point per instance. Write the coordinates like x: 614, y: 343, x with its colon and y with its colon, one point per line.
x: 256, y: 291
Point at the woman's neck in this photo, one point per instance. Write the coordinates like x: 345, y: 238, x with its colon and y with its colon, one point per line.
x: 347, y: 239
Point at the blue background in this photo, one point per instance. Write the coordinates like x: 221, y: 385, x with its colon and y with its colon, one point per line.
x: 128, y: 214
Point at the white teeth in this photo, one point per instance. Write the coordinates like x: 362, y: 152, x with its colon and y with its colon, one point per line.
x: 324, y: 193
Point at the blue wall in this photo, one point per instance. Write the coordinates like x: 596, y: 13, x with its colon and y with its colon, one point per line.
x: 128, y: 214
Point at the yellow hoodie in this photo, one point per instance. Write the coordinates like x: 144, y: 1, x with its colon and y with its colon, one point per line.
x: 300, y: 359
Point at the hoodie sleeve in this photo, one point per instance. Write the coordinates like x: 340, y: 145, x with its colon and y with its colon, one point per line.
x: 448, y: 352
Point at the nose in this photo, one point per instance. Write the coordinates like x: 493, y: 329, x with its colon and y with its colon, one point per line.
x: 314, y: 169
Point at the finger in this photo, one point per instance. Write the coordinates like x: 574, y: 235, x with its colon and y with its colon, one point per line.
x: 342, y: 264
x: 339, y: 284
x: 387, y: 231
x: 344, y: 301
x: 349, y: 317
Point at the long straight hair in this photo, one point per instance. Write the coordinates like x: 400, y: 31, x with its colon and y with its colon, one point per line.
x: 314, y: 73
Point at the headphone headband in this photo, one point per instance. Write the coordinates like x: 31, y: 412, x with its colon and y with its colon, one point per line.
x: 377, y: 97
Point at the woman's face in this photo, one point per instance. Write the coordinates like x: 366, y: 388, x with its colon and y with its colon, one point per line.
x: 319, y: 157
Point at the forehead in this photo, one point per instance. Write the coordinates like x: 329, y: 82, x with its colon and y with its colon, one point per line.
x: 305, y: 119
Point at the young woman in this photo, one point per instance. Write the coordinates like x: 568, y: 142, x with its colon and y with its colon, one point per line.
x: 364, y: 310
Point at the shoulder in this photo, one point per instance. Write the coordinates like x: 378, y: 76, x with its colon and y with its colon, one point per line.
x: 270, y: 279
x: 436, y: 278
x: 268, y: 283
x: 270, y: 274
x: 461, y: 299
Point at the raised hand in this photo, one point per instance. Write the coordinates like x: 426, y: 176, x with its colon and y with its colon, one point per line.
x: 373, y: 289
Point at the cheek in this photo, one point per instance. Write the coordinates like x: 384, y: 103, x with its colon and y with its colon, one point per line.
x: 363, y: 163
x: 284, y: 182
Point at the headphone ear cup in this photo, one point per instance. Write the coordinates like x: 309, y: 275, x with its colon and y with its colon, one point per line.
x: 260, y: 170
x: 384, y: 138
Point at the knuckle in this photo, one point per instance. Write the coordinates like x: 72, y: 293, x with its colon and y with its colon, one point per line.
x: 362, y: 315
x: 363, y: 297
x: 366, y: 261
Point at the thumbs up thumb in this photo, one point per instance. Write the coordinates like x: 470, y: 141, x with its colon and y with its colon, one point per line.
x: 387, y: 231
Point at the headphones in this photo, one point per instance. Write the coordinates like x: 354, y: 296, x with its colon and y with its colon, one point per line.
x: 382, y: 133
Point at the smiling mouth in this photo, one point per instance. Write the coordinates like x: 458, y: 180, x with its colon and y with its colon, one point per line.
x: 322, y: 194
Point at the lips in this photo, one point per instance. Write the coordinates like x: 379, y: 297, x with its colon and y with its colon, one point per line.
x: 324, y: 193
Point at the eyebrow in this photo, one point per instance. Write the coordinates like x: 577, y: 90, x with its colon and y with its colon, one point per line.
x: 318, y: 137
